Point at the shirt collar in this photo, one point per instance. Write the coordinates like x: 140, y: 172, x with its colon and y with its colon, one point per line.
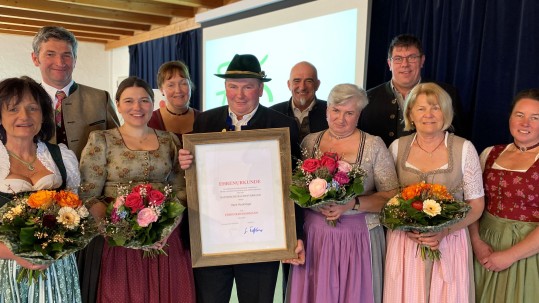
x: 396, y: 91
x: 245, y: 119
x: 52, y: 90
x: 308, y: 109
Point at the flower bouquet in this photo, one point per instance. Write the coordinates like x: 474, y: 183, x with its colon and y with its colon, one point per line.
x: 423, y: 207
x: 45, y: 226
x: 325, y: 179
x: 142, y: 216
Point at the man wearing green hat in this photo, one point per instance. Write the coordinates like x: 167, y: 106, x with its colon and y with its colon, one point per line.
x: 244, y: 85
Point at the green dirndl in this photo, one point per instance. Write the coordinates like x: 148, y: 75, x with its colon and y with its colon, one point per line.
x: 519, y: 282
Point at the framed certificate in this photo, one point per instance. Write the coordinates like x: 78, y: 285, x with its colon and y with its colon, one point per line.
x: 237, y: 193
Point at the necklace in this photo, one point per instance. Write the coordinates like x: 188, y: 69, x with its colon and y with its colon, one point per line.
x: 140, y: 139
x: 29, y: 165
x: 331, y: 134
x: 175, y: 114
x: 524, y: 148
x: 429, y: 153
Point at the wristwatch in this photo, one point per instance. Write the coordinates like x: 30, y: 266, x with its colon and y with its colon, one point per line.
x: 358, y: 203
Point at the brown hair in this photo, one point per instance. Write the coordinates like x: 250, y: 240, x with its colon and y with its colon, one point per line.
x: 133, y: 82
x: 14, y: 90
x: 168, y: 69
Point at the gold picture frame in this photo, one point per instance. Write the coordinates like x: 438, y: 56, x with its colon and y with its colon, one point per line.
x: 237, y: 192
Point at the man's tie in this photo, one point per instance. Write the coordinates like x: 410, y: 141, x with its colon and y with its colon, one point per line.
x: 60, y: 95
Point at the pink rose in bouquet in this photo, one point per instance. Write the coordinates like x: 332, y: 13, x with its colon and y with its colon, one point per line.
x: 323, y: 179
x: 156, y: 197
x: 344, y: 166
x: 317, y: 187
x: 146, y: 216
x: 329, y: 160
x: 310, y: 165
x: 134, y: 201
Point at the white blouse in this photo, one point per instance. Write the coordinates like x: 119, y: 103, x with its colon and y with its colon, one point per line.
x: 51, y: 181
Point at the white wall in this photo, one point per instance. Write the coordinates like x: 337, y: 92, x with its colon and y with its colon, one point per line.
x: 95, y: 67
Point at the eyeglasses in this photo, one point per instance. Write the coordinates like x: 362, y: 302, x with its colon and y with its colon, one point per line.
x: 410, y: 59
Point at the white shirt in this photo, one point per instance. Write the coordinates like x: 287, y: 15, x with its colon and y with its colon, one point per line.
x: 302, y: 114
x: 52, y: 91
x: 245, y: 119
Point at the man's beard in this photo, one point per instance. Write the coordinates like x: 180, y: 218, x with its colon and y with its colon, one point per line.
x: 302, y: 101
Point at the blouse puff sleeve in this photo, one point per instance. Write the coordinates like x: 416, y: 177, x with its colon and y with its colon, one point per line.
x: 93, y: 168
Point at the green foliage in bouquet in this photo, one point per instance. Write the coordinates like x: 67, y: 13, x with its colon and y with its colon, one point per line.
x: 142, y: 216
x: 325, y: 179
x: 45, y: 226
x: 423, y: 207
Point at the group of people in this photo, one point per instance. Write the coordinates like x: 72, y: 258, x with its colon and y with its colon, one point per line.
x: 61, y: 134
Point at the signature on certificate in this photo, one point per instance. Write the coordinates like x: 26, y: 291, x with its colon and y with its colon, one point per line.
x: 253, y: 230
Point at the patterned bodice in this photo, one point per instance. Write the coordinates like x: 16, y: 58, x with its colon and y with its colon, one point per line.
x: 511, y: 194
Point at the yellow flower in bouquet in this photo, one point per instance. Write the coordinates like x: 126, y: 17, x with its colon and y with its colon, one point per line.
x: 45, y: 226
x: 423, y: 207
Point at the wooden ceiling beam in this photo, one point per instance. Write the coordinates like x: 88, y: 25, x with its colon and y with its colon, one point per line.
x: 31, y: 29
x: 72, y: 19
x: 72, y: 27
x: 24, y: 33
x: 179, y: 27
x: 194, y: 3
x: 148, y: 7
x: 84, y: 11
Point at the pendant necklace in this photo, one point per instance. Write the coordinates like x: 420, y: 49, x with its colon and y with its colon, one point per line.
x: 524, y: 148
x: 430, y: 153
x: 175, y: 114
x: 29, y: 165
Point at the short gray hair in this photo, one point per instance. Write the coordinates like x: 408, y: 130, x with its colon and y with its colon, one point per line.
x: 54, y: 32
x: 341, y: 93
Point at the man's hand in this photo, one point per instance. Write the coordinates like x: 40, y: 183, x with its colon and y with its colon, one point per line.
x: 300, y: 260
x: 185, y: 158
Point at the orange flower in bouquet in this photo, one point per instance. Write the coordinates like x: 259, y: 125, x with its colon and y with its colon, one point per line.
x: 423, y: 207
x: 45, y: 226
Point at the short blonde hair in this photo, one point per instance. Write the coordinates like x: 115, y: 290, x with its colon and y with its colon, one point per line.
x: 341, y: 93
x: 435, y: 94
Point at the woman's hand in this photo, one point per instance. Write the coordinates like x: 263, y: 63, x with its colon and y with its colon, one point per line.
x: 185, y: 158
x: 334, y: 211
x: 431, y: 239
x: 498, y: 261
x: 29, y: 265
x: 481, y: 249
x: 300, y: 251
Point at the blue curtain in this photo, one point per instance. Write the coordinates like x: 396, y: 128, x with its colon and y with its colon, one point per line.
x: 488, y: 49
x: 146, y: 57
